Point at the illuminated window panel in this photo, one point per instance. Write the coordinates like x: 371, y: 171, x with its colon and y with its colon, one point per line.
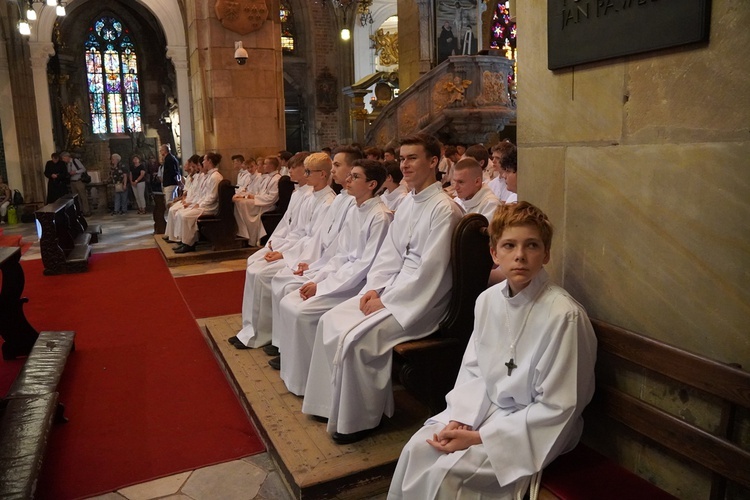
x: 112, y: 74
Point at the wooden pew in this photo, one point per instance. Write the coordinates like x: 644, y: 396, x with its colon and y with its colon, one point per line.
x: 272, y: 218
x: 428, y: 367
x: 93, y: 229
x: 716, y: 450
x: 221, y: 228
x: 64, y: 243
x: 18, y: 335
x: 28, y: 411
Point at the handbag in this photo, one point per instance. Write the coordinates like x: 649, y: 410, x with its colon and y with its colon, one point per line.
x: 119, y: 188
x: 85, y: 177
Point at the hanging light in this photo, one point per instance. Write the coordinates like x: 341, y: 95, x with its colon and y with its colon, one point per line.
x: 52, y: 3
x: 23, y: 27
x: 346, y: 34
x: 31, y: 13
x: 60, y: 9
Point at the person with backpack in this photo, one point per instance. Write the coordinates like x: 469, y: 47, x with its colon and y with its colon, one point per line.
x: 77, y: 186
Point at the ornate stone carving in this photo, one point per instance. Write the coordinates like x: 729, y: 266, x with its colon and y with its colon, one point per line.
x: 386, y: 47
x: 71, y: 115
x: 448, y: 90
x: 407, y: 121
x: 358, y: 114
x: 493, y: 89
x: 242, y: 16
x: 326, y: 91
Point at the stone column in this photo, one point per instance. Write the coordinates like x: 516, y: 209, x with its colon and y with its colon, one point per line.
x: 357, y: 113
x: 178, y: 56
x: 7, y: 120
x: 426, y: 35
x: 40, y: 54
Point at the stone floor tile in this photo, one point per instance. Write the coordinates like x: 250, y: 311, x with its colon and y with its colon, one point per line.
x: 179, y: 496
x: 274, y: 488
x: 156, y: 488
x: 262, y: 460
x: 108, y: 496
x: 237, y: 480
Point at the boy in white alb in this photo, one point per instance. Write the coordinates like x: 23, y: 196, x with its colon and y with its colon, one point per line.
x: 405, y: 297
x: 330, y: 281
x: 525, y: 378
x: 250, y: 206
x: 471, y: 194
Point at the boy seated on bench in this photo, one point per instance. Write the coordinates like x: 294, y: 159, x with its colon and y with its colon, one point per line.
x: 526, y: 375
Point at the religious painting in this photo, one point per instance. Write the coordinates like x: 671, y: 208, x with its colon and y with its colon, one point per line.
x: 326, y: 91
x: 455, y: 28
x: 242, y: 16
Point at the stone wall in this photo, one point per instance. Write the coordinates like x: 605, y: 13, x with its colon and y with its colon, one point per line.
x: 643, y: 164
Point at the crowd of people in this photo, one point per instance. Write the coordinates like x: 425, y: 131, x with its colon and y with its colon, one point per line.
x: 350, y: 273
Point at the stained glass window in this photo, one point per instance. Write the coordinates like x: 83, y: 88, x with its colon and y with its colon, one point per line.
x: 288, y: 36
x: 112, y: 72
x: 503, y: 37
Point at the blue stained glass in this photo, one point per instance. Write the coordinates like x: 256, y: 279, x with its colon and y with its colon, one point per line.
x: 99, y: 124
x: 112, y: 76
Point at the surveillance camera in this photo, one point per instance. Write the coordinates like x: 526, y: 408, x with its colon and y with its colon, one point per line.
x: 240, y: 54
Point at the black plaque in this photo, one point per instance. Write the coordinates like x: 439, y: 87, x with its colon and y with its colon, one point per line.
x: 581, y: 31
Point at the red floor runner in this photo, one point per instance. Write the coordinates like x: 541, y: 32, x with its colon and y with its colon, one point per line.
x: 143, y: 392
x: 224, y: 293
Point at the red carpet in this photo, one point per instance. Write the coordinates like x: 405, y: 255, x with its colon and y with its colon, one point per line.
x: 224, y: 297
x: 143, y: 392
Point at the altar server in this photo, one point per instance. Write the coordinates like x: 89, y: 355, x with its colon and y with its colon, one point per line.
x: 208, y: 203
x: 525, y: 378
x: 330, y: 281
x: 393, y: 191
x: 194, y: 184
x: 405, y: 297
x: 471, y: 194
x: 249, y: 206
x: 256, y: 301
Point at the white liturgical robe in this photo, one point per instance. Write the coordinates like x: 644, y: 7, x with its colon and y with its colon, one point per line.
x: 393, y: 199
x: 483, y: 202
x: 350, y: 372
x: 193, y: 195
x: 187, y: 219
x: 340, y: 278
x: 256, y: 301
x: 526, y: 418
x: 247, y: 211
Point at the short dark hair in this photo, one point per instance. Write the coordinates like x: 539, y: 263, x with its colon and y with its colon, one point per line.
x: 214, y: 157
x: 352, y: 153
x: 374, y: 171
x: 273, y: 160
x: 479, y: 153
x: 196, y: 159
x: 508, y: 155
x: 429, y: 142
x: 298, y: 159
x: 373, y: 151
x: 238, y: 157
x: 285, y: 155
x: 393, y: 168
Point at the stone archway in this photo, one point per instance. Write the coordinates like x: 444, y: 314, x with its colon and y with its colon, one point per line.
x: 169, y: 16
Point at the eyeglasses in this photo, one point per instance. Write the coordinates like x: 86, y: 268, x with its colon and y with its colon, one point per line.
x: 308, y: 171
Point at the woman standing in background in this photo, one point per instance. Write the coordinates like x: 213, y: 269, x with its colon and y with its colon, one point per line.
x: 137, y: 178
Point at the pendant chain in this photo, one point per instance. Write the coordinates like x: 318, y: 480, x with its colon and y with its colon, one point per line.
x: 511, y: 364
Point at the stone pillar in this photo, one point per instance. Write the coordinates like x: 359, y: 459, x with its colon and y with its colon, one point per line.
x: 40, y: 54
x: 178, y: 56
x: 7, y: 120
x: 426, y: 35
x: 239, y: 109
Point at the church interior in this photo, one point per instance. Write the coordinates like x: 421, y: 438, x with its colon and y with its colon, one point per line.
x: 641, y: 161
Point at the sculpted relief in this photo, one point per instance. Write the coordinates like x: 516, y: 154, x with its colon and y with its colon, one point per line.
x: 242, y: 16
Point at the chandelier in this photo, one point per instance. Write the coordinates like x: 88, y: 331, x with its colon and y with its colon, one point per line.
x: 344, y: 6
x: 28, y: 12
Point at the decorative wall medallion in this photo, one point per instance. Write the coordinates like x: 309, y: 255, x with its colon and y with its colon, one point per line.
x: 326, y: 91
x: 242, y: 16
x: 493, y: 89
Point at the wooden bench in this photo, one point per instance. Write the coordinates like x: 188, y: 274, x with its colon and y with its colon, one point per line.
x: 272, y: 218
x: 220, y: 229
x: 428, y: 367
x: 624, y: 356
x: 28, y: 411
x: 18, y: 335
x: 64, y: 243
x: 93, y: 229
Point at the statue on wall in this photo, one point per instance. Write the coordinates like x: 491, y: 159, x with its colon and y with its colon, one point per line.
x: 386, y: 47
x: 242, y: 16
x: 74, y: 124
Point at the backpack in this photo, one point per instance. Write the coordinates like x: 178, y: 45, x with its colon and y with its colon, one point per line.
x: 17, y: 197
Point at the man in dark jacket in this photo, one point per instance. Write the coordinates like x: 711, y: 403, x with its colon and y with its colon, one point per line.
x: 170, y: 173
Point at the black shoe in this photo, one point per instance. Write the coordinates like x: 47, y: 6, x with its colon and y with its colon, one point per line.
x: 271, y: 350
x: 339, y: 438
x: 185, y: 249
x: 234, y: 340
x: 275, y: 363
x: 239, y: 345
x: 318, y: 418
x: 165, y: 238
